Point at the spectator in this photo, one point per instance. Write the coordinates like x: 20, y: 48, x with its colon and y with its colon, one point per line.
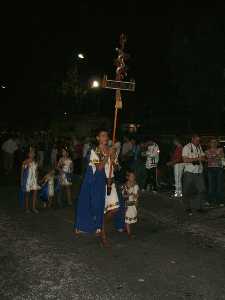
x: 126, y: 156
x: 126, y: 148
x: 152, y: 159
x: 41, y: 152
x: 78, y: 149
x: 214, y: 156
x: 86, y: 147
x: 117, y: 146
x: 139, y: 168
x: 9, y: 148
x: 193, y: 157
x: 177, y: 163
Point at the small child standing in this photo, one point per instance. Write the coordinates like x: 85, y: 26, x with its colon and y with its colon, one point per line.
x: 29, y: 180
x: 130, y: 192
x: 48, y: 189
x: 65, y: 168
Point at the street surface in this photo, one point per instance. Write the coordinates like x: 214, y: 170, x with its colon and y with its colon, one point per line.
x: 41, y: 259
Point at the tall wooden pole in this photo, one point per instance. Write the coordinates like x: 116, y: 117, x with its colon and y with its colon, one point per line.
x: 120, y: 75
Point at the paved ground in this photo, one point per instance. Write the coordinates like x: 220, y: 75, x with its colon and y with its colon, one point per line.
x: 41, y: 259
x: 207, y: 228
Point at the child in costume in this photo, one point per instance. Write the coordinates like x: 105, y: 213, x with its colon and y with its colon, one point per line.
x: 48, y: 189
x: 65, y: 168
x: 130, y: 192
x: 29, y: 180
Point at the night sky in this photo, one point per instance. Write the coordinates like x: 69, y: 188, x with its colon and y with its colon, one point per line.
x: 177, y: 56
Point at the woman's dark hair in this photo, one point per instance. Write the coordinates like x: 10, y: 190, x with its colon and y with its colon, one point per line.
x: 101, y: 129
x: 97, y: 133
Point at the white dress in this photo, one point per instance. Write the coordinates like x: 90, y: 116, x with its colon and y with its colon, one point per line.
x: 32, y: 180
x: 66, y: 168
x: 112, y: 200
x: 131, y: 210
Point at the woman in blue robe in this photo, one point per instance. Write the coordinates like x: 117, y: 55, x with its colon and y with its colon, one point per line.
x: 94, y: 202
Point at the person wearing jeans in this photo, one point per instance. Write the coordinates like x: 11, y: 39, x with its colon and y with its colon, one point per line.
x: 214, y: 157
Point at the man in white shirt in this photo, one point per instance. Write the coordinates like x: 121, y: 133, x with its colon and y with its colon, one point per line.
x: 193, y: 156
x: 9, y: 147
x: 152, y: 159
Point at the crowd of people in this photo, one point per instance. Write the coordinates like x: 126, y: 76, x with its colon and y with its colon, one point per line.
x: 47, y: 165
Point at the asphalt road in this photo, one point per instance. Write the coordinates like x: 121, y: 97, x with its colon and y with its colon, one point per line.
x: 41, y: 259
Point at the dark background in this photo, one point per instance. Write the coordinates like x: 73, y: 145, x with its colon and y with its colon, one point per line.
x: 177, y: 59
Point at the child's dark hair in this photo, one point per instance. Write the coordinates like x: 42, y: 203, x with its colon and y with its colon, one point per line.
x: 97, y: 133
x: 28, y: 151
x: 66, y: 148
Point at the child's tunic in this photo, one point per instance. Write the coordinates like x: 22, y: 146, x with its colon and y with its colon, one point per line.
x: 30, y: 180
x: 66, y: 166
x: 51, y: 185
x: 131, y: 203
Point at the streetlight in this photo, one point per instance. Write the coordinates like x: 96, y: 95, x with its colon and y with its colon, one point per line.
x: 95, y: 84
x: 80, y: 55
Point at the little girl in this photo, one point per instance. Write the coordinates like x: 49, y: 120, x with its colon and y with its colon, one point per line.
x: 65, y: 167
x: 47, y: 191
x: 130, y: 192
x: 29, y: 180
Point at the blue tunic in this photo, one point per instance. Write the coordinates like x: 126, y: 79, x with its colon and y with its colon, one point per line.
x: 44, y: 192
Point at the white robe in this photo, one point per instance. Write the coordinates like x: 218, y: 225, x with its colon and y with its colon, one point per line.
x: 131, y: 210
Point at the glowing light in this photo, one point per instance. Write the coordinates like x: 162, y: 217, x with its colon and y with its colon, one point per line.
x: 95, y: 84
x: 3, y: 86
x: 80, y: 55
